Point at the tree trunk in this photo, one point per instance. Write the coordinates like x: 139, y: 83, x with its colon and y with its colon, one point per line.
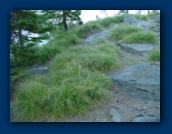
x: 64, y: 21
x: 20, y: 37
x: 126, y: 11
x: 139, y: 11
x: 148, y: 12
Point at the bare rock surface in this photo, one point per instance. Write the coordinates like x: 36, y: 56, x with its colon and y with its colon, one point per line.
x: 141, y: 81
x: 138, y: 48
x: 146, y: 119
x: 131, y: 20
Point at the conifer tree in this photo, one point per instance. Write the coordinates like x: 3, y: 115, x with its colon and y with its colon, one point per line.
x: 64, y: 17
x: 23, y: 23
x: 27, y: 21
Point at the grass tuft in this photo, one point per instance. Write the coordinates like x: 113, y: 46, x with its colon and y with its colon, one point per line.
x: 141, y: 37
x: 87, y: 28
x: 120, y: 31
x: 141, y: 16
x: 109, y: 20
x: 154, y: 55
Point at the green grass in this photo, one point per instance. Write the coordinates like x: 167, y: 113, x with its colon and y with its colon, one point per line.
x: 39, y: 55
x: 141, y: 16
x: 85, y: 29
x: 109, y: 20
x: 74, y: 82
x: 140, y: 37
x: 152, y: 14
x: 120, y: 31
x: 99, y: 41
x: 154, y: 55
x: 61, y: 41
x: 152, y: 26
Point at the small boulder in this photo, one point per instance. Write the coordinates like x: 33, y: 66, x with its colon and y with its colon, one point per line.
x: 115, y: 115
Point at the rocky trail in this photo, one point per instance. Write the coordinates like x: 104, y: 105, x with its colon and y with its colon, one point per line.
x: 135, y: 95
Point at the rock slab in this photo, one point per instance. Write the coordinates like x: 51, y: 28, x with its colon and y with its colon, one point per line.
x: 140, y: 81
x: 137, y: 48
x: 146, y: 119
x: 115, y: 115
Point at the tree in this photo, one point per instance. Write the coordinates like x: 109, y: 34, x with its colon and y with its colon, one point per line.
x: 27, y: 21
x: 148, y: 11
x: 139, y: 11
x: 22, y: 24
x: 64, y: 17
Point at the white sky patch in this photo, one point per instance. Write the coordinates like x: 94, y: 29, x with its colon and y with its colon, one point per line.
x: 88, y: 15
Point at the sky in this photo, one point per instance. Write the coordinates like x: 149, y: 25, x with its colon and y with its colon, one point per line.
x: 87, y: 15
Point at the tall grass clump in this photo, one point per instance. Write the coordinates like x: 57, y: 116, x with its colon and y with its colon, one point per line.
x: 86, y: 28
x: 101, y: 57
x: 141, y: 37
x: 141, y: 16
x: 154, y: 55
x: 74, y: 82
x: 120, y: 31
x: 60, y: 41
x: 109, y: 20
x: 54, y: 97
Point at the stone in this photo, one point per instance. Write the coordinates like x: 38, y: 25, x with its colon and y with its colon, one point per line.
x: 131, y: 20
x: 40, y: 70
x: 153, y: 113
x: 37, y: 70
x: 156, y: 23
x: 115, y: 115
x: 99, y: 35
x: 157, y: 62
x: 140, y: 81
x: 146, y: 119
x: 137, y: 48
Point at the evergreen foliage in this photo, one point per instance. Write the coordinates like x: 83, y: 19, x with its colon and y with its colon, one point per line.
x: 64, y: 17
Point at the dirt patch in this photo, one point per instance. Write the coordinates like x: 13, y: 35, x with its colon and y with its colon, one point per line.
x: 125, y: 105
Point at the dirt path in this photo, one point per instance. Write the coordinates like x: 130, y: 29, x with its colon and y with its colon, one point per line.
x: 127, y: 107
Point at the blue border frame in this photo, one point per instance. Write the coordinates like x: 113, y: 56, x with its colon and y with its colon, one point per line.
x: 166, y: 91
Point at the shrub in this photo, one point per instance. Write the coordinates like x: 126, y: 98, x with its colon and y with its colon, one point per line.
x: 141, y: 37
x: 154, y: 55
x: 120, y: 31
